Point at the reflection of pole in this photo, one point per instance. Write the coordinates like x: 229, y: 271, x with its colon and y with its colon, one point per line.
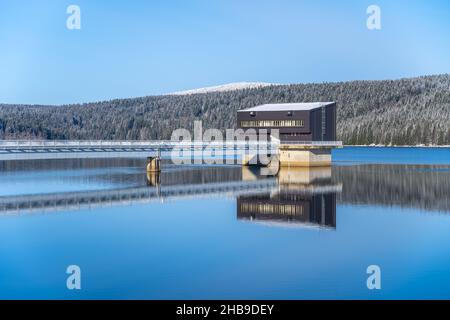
x: 153, y: 179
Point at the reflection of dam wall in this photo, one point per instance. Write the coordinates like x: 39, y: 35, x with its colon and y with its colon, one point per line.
x: 416, y: 186
x: 172, y: 183
x: 91, y: 199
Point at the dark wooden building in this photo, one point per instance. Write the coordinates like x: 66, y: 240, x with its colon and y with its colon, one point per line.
x: 315, y: 121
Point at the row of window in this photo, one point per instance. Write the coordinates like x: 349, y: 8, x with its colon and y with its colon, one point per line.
x: 272, y: 123
x: 268, y: 208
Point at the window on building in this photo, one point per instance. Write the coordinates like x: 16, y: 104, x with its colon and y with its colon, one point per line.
x: 272, y: 123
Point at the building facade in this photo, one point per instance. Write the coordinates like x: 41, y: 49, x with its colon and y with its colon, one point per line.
x: 314, y: 121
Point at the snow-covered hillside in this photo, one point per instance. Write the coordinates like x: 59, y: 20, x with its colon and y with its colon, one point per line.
x: 225, y: 87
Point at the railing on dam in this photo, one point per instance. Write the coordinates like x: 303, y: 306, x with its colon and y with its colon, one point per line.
x: 49, y: 149
x: 156, y: 144
x: 168, y: 144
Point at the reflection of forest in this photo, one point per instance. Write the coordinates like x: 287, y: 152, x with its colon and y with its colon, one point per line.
x: 418, y: 186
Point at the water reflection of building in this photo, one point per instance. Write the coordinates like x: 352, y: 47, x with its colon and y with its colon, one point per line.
x: 304, y: 197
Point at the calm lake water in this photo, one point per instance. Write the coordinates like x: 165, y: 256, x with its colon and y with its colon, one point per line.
x: 227, y: 231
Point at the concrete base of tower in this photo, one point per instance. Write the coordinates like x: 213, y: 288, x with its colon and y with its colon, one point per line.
x: 291, y: 156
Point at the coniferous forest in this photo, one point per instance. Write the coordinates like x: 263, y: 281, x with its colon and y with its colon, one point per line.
x: 398, y: 112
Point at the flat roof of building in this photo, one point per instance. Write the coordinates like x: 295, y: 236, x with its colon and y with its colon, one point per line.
x: 304, y: 106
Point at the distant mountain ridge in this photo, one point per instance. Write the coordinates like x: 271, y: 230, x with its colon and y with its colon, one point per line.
x: 225, y: 87
x: 389, y: 112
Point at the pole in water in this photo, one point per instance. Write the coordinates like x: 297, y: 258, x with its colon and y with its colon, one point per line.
x: 153, y: 164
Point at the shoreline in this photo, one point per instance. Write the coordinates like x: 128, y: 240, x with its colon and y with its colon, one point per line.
x: 395, y: 146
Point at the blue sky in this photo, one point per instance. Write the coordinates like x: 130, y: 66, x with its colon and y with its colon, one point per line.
x: 136, y: 48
